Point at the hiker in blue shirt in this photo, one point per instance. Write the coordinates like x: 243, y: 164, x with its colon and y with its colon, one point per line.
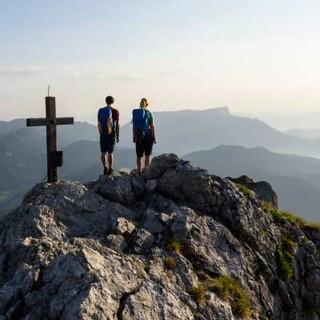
x: 143, y: 133
x: 108, y: 125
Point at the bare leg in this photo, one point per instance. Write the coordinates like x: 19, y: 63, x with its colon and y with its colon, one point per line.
x: 139, y: 165
x: 110, y: 161
x: 103, y: 159
x: 147, y: 161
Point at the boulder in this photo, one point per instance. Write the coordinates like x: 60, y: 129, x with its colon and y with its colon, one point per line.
x: 123, y: 227
x: 142, y: 240
x: 151, y: 185
x: 180, y: 227
x: 151, y: 222
x: 159, y: 165
x: 117, y: 187
x: 138, y: 186
x: 116, y: 242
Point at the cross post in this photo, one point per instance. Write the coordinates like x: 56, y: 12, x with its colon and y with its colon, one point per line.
x: 54, y: 157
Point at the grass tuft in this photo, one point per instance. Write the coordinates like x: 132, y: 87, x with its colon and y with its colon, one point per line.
x: 280, y: 215
x: 170, y: 263
x: 285, y: 258
x: 245, y: 190
x: 230, y: 290
x: 198, y: 293
x: 313, y: 226
x: 175, y: 246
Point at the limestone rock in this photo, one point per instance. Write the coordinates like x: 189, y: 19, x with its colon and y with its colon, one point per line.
x: 142, y: 240
x: 116, y: 187
x: 123, y: 226
x: 151, y: 185
x: 180, y: 227
x: 152, y: 301
x: 138, y: 186
x: 262, y: 189
x: 116, y: 242
x: 152, y: 222
x: 159, y: 165
x: 150, y: 247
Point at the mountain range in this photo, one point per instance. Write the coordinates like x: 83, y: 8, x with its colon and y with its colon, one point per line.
x: 305, y: 133
x: 187, y: 131
x: 289, y: 119
x: 296, y: 179
x: 22, y: 154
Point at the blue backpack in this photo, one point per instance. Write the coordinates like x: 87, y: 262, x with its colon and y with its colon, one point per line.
x: 141, y: 120
x: 104, y: 114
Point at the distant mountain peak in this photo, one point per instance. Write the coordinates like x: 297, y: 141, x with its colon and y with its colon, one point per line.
x: 213, y: 110
x: 221, y: 110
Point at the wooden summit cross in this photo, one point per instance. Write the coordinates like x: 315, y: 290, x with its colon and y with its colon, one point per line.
x: 54, y: 157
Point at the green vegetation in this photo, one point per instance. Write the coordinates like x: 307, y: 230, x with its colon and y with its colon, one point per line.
x: 285, y: 258
x: 170, y: 263
x: 315, y: 226
x: 198, y: 293
x: 245, y: 190
x: 175, y: 246
x: 280, y: 215
x: 230, y: 290
x: 285, y: 250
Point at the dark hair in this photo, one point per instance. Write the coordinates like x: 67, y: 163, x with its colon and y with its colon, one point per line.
x: 109, y: 100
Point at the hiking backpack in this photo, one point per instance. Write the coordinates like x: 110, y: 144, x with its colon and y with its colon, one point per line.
x: 140, y: 121
x: 103, y: 116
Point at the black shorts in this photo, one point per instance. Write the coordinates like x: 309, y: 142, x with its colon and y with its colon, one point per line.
x: 107, y: 143
x: 144, y: 146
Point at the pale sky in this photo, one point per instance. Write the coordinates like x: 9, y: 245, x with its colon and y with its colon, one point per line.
x: 251, y: 55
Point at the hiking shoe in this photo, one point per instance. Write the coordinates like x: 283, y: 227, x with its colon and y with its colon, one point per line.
x: 105, y: 171
x: 110, y: 172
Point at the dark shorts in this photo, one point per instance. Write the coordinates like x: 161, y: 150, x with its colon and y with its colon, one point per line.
x: 144, y: 146
x: 107, y: 143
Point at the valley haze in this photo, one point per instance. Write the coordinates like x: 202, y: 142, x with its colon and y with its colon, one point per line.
x: 233, y: 145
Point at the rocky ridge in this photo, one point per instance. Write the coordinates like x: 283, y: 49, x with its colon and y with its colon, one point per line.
x: 174, y: 243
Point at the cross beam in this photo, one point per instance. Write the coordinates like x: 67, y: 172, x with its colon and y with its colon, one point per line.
x: 37, y: 122
x: 54, y: 157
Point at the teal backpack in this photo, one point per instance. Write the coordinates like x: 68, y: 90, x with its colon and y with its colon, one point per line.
x: 141, y: 120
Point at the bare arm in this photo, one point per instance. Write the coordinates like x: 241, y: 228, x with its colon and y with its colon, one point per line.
x: 153, y: 131
x: 99, y: 127
x: 117, y: 130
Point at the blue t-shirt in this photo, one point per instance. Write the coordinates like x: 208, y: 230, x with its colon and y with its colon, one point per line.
x: 104, y: 114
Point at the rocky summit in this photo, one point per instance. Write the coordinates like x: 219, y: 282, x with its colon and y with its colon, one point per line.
x: 173, y: 243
